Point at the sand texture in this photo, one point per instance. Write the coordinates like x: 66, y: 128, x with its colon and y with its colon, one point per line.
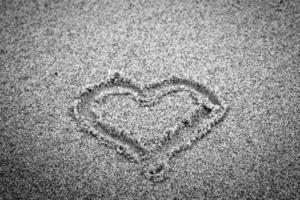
x: 149, y: 99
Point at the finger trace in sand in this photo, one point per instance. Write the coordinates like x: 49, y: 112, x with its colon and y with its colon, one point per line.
x: 210, y: 110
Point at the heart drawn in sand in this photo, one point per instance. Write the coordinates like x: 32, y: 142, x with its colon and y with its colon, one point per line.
x: 149, y: 124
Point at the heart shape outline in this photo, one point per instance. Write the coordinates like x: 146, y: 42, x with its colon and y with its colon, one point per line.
x: 154, y: 161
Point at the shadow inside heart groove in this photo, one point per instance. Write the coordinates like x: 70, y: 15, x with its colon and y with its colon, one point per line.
x: 149, y: 124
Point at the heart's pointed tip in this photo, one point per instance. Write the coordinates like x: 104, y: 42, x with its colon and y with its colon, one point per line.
x: 116, y: 75
x: 156, y: 171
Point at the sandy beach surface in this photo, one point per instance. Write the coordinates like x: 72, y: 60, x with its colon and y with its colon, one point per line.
x: 246, y: 51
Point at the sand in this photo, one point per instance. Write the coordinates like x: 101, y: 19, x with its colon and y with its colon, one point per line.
x: 248, y: 52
